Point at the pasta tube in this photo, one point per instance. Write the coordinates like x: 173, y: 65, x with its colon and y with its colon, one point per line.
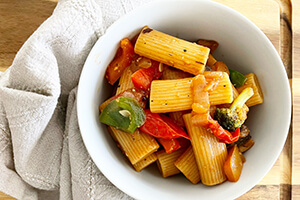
x: 171, y: 73
x: 165, y: 162
x: 186, y: 163
x: 210, y: 154
x: 176, y: 95
x: 252, y: 82
x: 178, y: 53
x: 145, y: 162
x: 136, y: 146
x: 125, y: 81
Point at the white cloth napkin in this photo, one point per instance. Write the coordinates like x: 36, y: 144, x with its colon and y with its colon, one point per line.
x: 42, y: 155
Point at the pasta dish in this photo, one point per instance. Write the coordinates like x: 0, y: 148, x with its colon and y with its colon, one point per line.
x: 175, y: 105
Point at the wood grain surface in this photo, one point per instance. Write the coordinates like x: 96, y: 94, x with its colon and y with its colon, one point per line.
x: 278, y: 19
x: 296, y: 100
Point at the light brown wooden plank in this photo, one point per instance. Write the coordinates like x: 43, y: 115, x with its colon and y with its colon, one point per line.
x: 18, y: 20
x: 296, y: 100
x: 286, y: 56
x: 262, y: 192
x: 296, y: 192
x: 5, y: 197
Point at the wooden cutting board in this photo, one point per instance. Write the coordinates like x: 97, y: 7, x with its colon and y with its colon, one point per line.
x: 19, y: 19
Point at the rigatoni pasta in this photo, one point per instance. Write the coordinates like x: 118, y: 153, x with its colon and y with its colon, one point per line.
x: 145, y: 162
x: 165, y: 162
x: 252, y: 81
x: 167, y: 109
x: 176, y: 95
x: 136, y: 146
x: 125, y: 82
x: 184, y: 55
x: 209, y: 153
x: 187, y: 164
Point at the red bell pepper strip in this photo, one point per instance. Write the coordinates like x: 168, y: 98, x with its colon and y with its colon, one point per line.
x: 169, y: 145
x: 205, y: 120
x: 158, y: 72
x: 161, y: 126
x: 184, y: 143
x: 223, y: 135
x: 143, y: 77
x: 174, y: 126
x: 120, y: 62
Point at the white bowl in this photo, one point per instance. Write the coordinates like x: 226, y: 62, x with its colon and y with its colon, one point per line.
x: 242, y: 47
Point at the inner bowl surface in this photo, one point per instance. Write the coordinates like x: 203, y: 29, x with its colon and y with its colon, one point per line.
x: 242, y: 47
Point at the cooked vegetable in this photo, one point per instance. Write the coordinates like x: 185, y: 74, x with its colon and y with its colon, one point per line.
x: 244, y: 131
x: 123, y: 113
x: 212, y: 44
x: 143, y: 77
x: 200, y: 95
x: 143, y: 62
x: 237, y: 78
x: 177, y: 117
x: 242, y: 157
x: 139, y: 95
x: 244, y: 135
x: 201, y: 108
x: 244, y: 142
x: 233, y: 165
x: 246, y: 145
x: 220, y: 66
x: 169, y: 145
x: 232, y: 118
x: 223, y: 135
x: 122, y: 60
x: 161, y: 126
x: 210, y: 62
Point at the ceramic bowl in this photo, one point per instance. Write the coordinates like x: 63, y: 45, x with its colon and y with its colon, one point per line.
x: 243, y: 47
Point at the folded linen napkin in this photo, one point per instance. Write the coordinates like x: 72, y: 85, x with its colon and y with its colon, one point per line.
x: 42, y: 155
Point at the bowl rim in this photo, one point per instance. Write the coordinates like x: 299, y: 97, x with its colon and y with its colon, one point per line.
x: 121, y: 20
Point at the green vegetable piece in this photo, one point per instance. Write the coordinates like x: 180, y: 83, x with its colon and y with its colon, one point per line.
x: 236, y: 78
x: 230, y: 118
x: 123, y: 113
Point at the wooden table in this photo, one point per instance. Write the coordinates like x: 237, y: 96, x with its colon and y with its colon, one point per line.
x: 18, y: 20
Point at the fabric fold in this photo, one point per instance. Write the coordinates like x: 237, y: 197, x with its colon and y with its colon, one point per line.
x: 42, y: 155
